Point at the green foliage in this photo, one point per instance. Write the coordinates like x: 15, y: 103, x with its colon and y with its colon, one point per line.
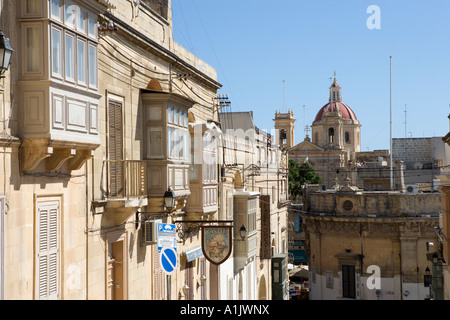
x: 300, y: 174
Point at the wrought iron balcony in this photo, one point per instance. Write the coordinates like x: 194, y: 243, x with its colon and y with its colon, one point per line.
x: 125, y: 179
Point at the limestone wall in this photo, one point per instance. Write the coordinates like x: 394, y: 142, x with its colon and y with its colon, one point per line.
x: 380, y: 203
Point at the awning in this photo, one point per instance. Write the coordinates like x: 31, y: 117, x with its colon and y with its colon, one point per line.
x: 193, y: 254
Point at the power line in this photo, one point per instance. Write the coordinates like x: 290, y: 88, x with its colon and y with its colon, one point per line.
x: 212, y: 47
x: 134, y: 62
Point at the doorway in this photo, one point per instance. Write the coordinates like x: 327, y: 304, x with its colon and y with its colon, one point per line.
x: 116, y: 269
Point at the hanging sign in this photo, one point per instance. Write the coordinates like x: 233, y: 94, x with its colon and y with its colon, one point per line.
x: 216, y: 243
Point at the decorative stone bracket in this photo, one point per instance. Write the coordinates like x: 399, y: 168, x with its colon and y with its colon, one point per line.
x: 59, y: 156
x: 32, y: 153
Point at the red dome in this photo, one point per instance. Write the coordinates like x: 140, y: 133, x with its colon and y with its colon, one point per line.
x: 347, y: 113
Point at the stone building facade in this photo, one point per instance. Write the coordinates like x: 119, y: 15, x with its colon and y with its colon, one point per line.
x: 424, y: 160
x: 255, y: 176
x: 103, y: 114
x: 369, y: 245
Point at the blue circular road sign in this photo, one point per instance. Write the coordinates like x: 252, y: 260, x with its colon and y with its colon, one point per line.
x: 168, y: 260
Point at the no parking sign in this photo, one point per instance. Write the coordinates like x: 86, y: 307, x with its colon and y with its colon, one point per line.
x: 168, y: 260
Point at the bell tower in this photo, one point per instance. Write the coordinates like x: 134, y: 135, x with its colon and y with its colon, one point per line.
x: 335, y: 91
x: 285, y: 124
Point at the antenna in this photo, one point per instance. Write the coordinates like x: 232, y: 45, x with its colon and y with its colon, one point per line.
x: 304, y: 116
x: 284, y: 106
x: 405, y: 122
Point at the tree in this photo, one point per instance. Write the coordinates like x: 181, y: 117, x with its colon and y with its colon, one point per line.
x: 300, y: 174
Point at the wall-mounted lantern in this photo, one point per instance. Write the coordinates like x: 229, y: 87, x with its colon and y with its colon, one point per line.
x: 6, y: 52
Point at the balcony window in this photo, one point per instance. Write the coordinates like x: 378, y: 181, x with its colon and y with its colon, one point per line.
x: 175, y: 116
x: 56, y: 52
x: 68, y: 15
x: 155, y: 142
x: 69, y: 57
x: 92, y: 27
x: 81, y: 25
x: 56, y: 9
x: 167, y: 143
x: 209, y: 158
x: 92, y: 66
x: 169, y: 115
x: 33, y: 49
x: 81, y: 62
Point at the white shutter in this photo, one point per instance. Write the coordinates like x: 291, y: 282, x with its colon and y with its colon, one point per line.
x: 48, y: 251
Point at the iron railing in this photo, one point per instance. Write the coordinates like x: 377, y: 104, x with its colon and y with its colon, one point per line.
x: 125, y: 179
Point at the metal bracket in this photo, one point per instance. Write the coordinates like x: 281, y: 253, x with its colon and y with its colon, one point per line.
x: 187, y: 227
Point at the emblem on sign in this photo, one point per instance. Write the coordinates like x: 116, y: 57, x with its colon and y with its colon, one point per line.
x: 216, y: 243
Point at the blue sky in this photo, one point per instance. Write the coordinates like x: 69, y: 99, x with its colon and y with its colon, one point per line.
x: 256, y: 44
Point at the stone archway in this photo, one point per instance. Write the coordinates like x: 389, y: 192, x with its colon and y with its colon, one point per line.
x: 262, y: 292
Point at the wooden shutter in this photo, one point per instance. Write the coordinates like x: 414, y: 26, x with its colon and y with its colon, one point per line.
x: 115, y: 148
x: 48, y: 251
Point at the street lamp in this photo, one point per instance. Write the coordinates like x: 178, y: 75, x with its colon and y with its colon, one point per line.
x: 5, y: 54
x: 243, y: 231
x: 169, y: 199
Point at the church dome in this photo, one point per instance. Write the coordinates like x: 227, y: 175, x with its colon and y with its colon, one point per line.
x: 335, y: 104
x: 346, y: 111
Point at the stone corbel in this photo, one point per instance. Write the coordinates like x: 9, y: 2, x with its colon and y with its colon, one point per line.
x: 80, y: 158
x: 31, y: 155
x: 59, y: 156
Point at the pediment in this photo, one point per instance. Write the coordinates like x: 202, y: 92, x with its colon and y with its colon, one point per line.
x: 306, y: 146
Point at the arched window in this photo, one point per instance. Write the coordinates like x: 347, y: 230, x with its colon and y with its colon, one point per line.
x: 331, y: 135
x: 347, y: 137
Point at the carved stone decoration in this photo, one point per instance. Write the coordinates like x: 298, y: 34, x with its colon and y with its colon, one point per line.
x: 31, y: 154
x: 59, y: 156
x: 81, y: 156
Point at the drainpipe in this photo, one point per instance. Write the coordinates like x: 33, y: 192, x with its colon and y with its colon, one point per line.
x: 401, y: 277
